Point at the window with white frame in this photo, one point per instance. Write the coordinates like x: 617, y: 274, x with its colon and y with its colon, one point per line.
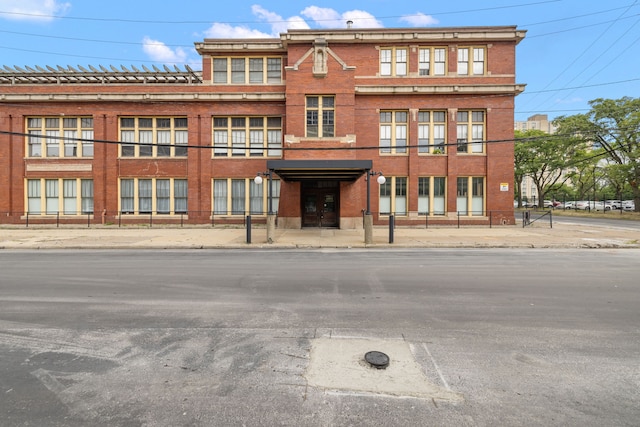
x: 470, y: 203
x: 431, y: 132
x: 394, y: 128
x: 471, y: 61
x: 432, y: 61
x: 394, y: 61
x: 153, y: 136
x: 431, y: 195
x: 320, y: 112
x: 59, y: 137
x: 153, y: 195
x: 166, y: 200
x: 247, y: 70
x: 247, y: 136
x: 66, y: 196
x: 393, y: 196
x: 470, y: 129
x: 240, y: 196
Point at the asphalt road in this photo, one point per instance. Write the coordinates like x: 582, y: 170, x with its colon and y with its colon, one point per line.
x: 251, y: 337
x: 610, y: 220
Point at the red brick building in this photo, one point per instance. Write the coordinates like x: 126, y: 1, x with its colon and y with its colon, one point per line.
x: 318, y: 112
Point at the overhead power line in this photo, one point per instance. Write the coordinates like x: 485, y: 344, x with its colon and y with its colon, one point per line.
x: 142, y: 21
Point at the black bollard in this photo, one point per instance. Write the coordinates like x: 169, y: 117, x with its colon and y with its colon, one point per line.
x: 248, y: 228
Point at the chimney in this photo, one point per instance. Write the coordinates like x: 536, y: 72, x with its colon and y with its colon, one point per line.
x: 349, y: 24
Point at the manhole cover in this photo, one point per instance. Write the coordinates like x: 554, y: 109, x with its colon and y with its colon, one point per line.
x: 377, y: 359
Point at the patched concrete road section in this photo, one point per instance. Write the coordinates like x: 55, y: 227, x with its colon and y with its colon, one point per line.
x: 338, y: 364
x: 210, y: 376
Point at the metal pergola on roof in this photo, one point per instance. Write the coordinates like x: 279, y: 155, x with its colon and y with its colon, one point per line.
x: 103, y: 75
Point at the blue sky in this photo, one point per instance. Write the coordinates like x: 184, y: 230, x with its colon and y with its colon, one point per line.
x: 575, y: 50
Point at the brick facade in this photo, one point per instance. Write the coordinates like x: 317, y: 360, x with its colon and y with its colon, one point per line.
x: 343, y: 66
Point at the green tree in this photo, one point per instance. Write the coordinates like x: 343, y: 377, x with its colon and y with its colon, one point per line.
x: 543, y: 157
x: 615, y: 125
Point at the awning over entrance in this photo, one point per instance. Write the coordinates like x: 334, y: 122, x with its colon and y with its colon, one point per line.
x: 302, y: 170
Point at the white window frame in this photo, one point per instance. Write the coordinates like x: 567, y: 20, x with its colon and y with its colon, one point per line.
x: 393, y: 130
x: 432, y: 61
x: 236, y: 197
x: 155, y: 140
x: 393, y: 196
x: 325, y: 116
x: 432, y: 132
x: 471, y: 133
x: 434, y: 202
x: 69, y: 137
x: 143, y: 199
x: 470, y: 195
x: 59, y: 196
x: 241, y: 70
x: 394, y: 61
x: 250, y: 140
x: 472, y: 61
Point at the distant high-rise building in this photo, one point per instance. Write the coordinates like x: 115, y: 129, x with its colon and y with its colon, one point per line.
x: 537, y: 121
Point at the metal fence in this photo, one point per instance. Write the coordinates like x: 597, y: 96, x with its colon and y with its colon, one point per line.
x: 123, y: 218
x: 531, y: 217
x: 440, y: 219
x: 239, y: 218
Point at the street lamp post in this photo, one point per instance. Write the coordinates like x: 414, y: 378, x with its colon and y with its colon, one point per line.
x: 368, y: 219
x: 271, y: 217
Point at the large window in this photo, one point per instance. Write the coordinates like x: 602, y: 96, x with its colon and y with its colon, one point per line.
x: 69, y: 196
x: 432, y: 61
x: 431, y: 132
x: 320, y: 116
x: 470, y: 203
x: 431, y: 195
x: 393, y: 196
x: 243, y: 196
x: 153, y: 195
x: 67, y: 137
x: 394, y: 126
x: 470, y: 129
x: 260, y: 70
x: 394, y: 61
x: 471, y: 61
x: 247, y: 136
x: 153, y: 136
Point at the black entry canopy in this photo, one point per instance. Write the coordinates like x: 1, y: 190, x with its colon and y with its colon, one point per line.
x: 302, y: 170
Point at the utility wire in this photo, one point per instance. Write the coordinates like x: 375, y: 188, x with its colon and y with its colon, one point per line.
x: 284, y: 148
x: 140, y: 21
x: 584, y: 51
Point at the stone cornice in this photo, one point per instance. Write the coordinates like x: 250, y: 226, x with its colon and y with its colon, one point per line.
x: 506, y: 89
x: 404, y: 35
x: 141, y: 97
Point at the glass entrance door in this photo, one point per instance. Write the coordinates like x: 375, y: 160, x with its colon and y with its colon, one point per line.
x: 320, y: 203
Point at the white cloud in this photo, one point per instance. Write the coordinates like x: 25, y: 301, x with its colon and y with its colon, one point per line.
x: 278, y: 25
x: 160, y: 52
x: 329, y: 18
x: 361, y: 19
x: 277, y: 22
x: 321, y: 17
x: 226, y: 31
x: 419, y: 20
x: 32, y: 10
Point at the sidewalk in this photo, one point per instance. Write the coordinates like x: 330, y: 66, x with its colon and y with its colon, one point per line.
x: 110, y: 237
